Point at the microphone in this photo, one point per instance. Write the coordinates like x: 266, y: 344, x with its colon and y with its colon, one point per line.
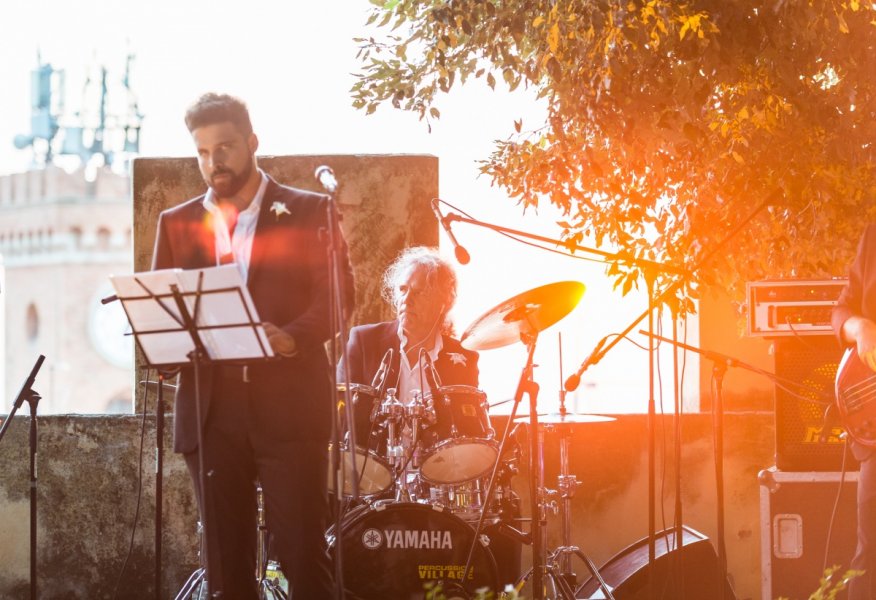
x: 380, y: 376
x: 462, y: 255
x: 575, y: 379
x: 379, y: 383
x: 431, y: 373
x: 326, y: 178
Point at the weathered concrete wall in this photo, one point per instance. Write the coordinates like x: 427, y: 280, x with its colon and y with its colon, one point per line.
x: 87, y: 497
x: 88, y: 469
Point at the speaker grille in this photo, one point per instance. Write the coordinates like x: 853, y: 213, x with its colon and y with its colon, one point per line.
x: 811, y: 361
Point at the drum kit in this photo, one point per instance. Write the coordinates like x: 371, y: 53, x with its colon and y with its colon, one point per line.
x: 435, y: 497
x: 435, y: 504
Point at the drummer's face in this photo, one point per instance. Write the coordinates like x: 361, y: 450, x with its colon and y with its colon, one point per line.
x: 418, y: 306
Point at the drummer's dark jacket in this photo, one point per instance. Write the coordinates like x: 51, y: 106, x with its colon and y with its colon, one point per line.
x: 368, y: 344
x: 289, y: 283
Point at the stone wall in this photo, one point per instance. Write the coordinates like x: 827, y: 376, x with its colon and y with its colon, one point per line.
x: 89, y: 473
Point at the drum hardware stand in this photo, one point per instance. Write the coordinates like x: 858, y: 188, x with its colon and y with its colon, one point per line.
x: 28, y: 394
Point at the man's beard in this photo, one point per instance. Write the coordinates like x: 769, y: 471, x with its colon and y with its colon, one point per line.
x: 230, y: 188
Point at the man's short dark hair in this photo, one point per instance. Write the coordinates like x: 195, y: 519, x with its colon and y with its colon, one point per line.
x: 212, y: 108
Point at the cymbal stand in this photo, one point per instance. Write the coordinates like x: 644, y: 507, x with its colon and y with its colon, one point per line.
x: 526, y: 385
x: 560, y: 559
x: 558, y: 562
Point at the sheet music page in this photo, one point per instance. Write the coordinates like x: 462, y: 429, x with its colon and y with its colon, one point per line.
x: 158, y: 324
x: 224, y: 308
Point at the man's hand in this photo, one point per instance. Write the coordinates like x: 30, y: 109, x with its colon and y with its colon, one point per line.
x: 862, y: 332
x: 281, y: 342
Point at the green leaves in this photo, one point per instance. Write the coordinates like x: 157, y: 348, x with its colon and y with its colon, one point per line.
x: 669, y: 124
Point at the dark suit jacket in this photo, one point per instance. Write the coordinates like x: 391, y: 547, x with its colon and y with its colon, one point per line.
x: 859, y: 298
x: 368, y: 344
x: 289, y: 283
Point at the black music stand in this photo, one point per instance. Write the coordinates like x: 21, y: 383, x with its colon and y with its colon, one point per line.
x: 27, y: 393
x: 191, y: 318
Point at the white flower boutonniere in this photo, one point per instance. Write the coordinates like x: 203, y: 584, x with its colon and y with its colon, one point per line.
x: 456, y: 358
x: 279, y: 208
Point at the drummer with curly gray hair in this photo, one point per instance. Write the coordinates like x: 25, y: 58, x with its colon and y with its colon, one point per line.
x: 421, y: 287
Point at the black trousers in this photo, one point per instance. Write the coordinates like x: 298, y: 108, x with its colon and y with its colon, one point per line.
x: 293, y: 477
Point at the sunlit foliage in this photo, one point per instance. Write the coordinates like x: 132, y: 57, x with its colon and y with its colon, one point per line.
x: 669, y: 122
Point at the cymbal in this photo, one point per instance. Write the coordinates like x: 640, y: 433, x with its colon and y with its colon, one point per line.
x: 558, y: 419
x: 523, y: 315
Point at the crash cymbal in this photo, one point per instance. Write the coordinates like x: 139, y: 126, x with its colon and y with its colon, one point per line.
x: 558, y: 419
x: 523, y: 315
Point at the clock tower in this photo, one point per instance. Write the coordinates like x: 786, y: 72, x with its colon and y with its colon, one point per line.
x: 61, y: 236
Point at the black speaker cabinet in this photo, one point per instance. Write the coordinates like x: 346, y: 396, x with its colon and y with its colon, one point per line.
x: 694, y: 570
x: 795, y: 517
x: 812, y: 361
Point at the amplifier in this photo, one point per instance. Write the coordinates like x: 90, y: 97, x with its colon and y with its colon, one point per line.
x: 791, y: 307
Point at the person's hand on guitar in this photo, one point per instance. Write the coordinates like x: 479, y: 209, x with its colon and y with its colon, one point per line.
x: 862, y: 332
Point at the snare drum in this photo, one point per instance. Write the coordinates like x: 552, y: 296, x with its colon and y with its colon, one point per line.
x: 460, y: 446
x: 395, y: 550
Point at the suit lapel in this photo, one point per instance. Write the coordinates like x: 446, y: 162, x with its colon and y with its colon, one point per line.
x: 389, y: 339
x: 266, y: 222
x: 203, y: 247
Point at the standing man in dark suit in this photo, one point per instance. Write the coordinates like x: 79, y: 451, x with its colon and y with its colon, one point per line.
x: 854, y: 320
x: 268, y: 422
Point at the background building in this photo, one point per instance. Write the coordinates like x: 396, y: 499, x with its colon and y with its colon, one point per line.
x: 61, y: 236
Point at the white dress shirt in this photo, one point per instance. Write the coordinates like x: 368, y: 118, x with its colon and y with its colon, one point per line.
x: 239, y: 244
x: 413, y: 377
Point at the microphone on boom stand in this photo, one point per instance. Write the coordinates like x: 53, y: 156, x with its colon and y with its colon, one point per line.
x: 575, y: 379
x: 462, y: 255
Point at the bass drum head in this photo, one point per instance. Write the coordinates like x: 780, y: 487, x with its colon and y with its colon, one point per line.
x: 397, y: 550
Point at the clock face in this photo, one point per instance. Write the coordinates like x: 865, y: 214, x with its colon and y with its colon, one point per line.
x: 107, y: 328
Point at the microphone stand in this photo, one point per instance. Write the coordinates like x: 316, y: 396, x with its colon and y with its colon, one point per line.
x: 28, y: 394
x: 721, y: 362
x: 338, y: 328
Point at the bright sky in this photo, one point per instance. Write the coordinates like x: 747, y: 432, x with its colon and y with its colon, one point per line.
x: 292, y: 62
